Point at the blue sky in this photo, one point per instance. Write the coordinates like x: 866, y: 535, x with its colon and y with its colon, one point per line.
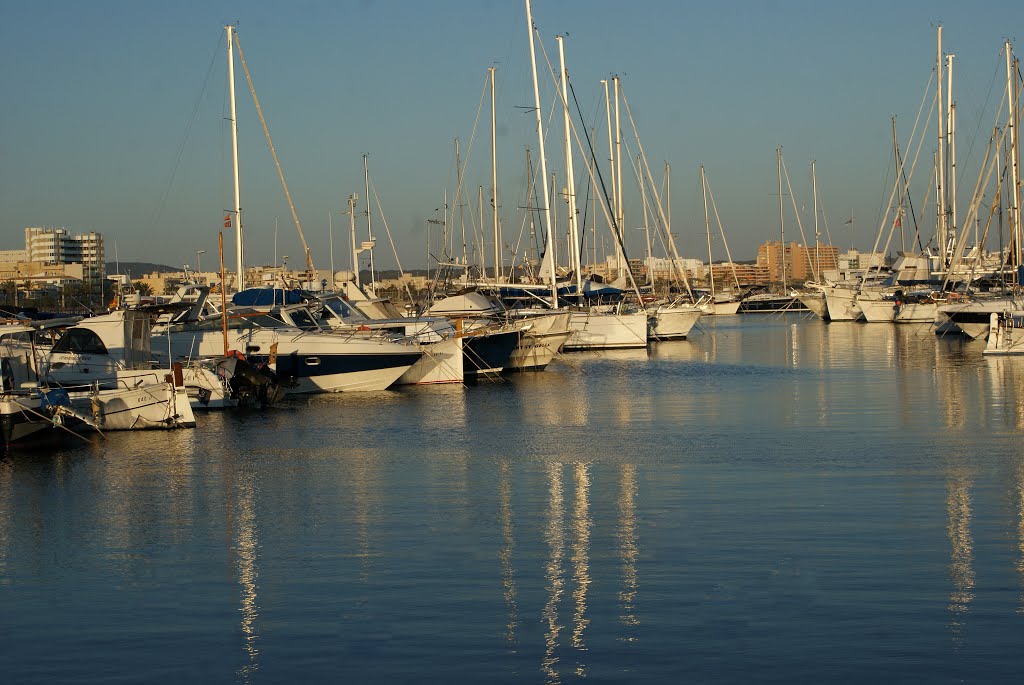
x: 98, y: 131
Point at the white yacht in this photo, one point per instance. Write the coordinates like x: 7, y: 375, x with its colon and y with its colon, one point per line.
x: 306, y: 356
x: 105, y: 365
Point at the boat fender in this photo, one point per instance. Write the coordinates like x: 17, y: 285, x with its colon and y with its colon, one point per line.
x: 8, y: 375
x: 179, y: 379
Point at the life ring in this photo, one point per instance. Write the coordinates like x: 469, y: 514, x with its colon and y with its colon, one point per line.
x: 8, y: 374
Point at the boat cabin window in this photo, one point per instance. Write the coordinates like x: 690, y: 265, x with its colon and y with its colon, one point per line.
x: 80, y: 341
x: 301, y: 318
x: 342, y: 309
x: 16, y: 339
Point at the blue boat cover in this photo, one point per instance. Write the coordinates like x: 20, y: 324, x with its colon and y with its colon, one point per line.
x: 266, y: 297
x: 58, y: 397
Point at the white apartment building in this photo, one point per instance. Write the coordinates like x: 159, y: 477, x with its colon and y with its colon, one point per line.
x: 57, y: 246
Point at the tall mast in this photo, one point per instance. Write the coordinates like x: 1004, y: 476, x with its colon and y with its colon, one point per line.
x: 459, y: 202
x: 614, y: 180
x: 647, y: 226
x: 483, y: 242
x: 620, y: 217
x: 611, y: 145
x: 817, y: 242
x: 330, y: 243
x: 237, y: 207
x: 782, y: 222
x: 529, y: 207
x: 951, y: 145
x: 707, y: 228
x: 549, y: 256
x: 1011, y: 91
x: 940, y: 170
x: 593, y: 201
x: 352, y: 199
x: 899, y: 183
x: 494, y: 184
x: 668, y: 196
x: 570, y: 183
x: 369, y: 227
x: 1016, y: 145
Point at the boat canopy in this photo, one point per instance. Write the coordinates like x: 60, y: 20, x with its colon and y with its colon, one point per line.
x: 267, y: 297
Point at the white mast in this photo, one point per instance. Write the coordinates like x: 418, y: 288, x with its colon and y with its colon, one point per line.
x: 1014, y: 171
x: 611, y: 163
x: 951, y: 144
x: 330, y: 241
x: 483, y: 241
x: 494, y: 185
x: 817, y: 241
x: 707, y: 228
x: 668, y: 196
x: 647, y: 226
x: 620, y: 217
x: 940, y: 171
x: 592, y: 164
x: 782, y: 222
x: 570, y: 184
x: 352, y: 229
x: 237, y: 208
x: 550, y: 250
x: 369, y: 226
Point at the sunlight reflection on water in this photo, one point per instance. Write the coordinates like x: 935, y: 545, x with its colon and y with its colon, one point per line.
x: 703, y: 506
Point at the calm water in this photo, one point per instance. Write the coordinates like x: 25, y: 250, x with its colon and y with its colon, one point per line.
x: 775, y: 500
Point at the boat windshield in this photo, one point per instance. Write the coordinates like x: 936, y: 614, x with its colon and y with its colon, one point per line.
x: 301, y: 318
x: 342, y: 309
x: 80, y: 341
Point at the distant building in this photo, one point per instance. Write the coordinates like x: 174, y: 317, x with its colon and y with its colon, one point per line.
x: 746, y: 274
x: 57, y: 246
x: 13, y: 256
x: 801, y: 262
x: 661, y: 268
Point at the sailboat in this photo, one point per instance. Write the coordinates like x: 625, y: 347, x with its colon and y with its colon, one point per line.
x: 775, y: 302
x: 813, y: 295
x: 592, y: 327
x: 719, y: 304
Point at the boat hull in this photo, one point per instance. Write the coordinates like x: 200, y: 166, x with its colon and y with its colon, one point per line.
x: 536, y: 350
x: 442, y: 362
x: 488, y: 353
x: 307, y: 363
x: 543, y: 337
x: 877, y: 310
x: 147, y: 407
x: 672, y: 323
x: 842, y: 305
x: 17, y: 420
x: 606, y: 331
x: 815, y: 302
x: 771, y: 305
x: 1006, y: 334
